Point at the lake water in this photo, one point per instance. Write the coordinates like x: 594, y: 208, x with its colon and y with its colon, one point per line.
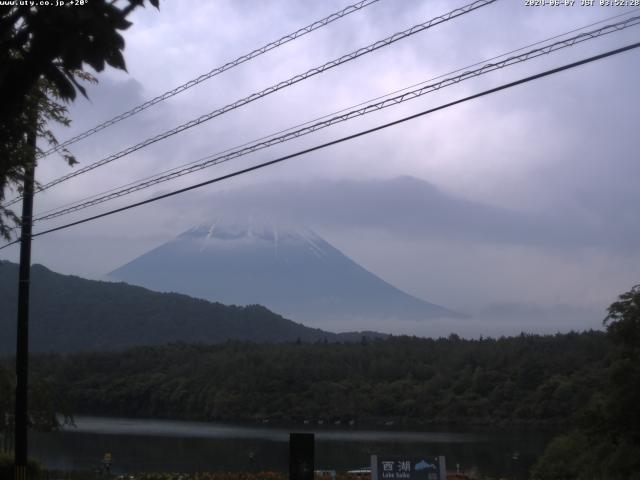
x: 161, y: 445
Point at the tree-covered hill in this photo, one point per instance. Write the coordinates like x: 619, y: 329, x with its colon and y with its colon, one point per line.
x: 70, y: 313
x: 529, y: 379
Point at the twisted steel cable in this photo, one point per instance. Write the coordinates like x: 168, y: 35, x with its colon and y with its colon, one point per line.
x: 337, y: 141
x: 216, y: 71
x: 308, y: 122
x: 272, y: 89
x: 216, y: 159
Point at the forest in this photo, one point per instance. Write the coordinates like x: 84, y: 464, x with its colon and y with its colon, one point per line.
x: 585, y: 384
x: 529, y: 379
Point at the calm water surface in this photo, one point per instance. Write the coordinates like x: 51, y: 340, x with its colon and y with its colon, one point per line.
x: 162, y: 445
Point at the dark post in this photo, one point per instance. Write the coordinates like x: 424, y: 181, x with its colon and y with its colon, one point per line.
x: 22, y: 345
x: 301, y: 453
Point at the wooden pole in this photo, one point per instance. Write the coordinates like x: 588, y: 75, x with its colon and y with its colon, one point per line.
x: 22, y: 343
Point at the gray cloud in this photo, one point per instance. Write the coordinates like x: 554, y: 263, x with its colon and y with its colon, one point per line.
x: 413, y: 207
x: 529, y: 194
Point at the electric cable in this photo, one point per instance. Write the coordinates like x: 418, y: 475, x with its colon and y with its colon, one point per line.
x: 216, y: 159
x: 272, y: 89
x: 216, y: 71
x: 308, y: 122
x: 340, y: 140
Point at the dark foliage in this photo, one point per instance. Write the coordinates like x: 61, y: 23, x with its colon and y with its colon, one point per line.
x: 606, y: 441
x: 69, y: 313
x: 42, y: 109
x: 55, y: 43
x: 43, y: 53
x: 48, y: 408
x: 529, y: 380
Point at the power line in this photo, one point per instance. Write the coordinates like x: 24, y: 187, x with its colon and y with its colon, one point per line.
x: 157, y: 175
x: 245, y: 150
x: 341, y: 140
x: 216, y: 71
x: 274, y: 88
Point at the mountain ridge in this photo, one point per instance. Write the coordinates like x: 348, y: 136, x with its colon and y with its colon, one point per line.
x: 70, y: 314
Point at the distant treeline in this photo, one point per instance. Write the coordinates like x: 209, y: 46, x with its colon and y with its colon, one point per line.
x: 528, y: 379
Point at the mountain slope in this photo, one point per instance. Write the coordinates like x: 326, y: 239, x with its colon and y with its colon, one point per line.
x: 290, y: 270
x: 69, y: 313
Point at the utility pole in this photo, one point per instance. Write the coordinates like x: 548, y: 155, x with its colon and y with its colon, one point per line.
x: 22, y: 344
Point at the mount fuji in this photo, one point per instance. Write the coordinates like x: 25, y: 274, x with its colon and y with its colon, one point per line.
x: 290, y: 270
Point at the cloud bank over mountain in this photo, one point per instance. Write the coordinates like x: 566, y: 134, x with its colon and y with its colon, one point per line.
x: 289, y: 269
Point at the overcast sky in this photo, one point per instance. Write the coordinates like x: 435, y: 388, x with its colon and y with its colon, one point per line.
x: 523, y: 201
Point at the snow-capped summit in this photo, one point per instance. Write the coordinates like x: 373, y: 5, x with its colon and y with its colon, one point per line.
x: 289, y: 269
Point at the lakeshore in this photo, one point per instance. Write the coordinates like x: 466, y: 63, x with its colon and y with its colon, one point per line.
x: 145, y: 446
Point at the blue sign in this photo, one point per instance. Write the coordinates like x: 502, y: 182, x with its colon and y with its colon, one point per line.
x: 407, y: 468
